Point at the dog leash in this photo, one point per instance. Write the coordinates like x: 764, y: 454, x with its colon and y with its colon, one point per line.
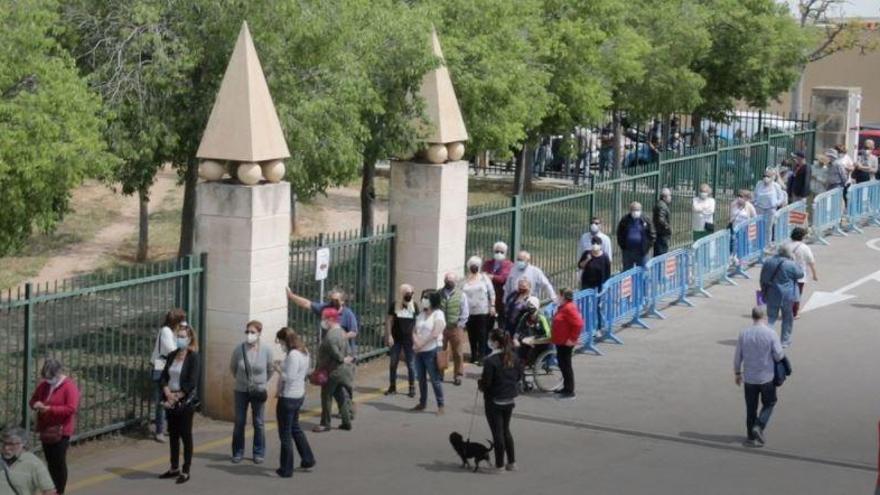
x: 473, y: 413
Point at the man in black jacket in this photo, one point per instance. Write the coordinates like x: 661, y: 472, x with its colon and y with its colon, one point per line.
x: 661, y: 222
x: 635, y: 236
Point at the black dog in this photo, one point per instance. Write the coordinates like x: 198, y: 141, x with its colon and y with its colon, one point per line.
x: 470, y: 450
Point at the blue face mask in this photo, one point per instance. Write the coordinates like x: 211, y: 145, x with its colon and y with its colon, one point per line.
x: 182, y: 342
x: 521, y: 264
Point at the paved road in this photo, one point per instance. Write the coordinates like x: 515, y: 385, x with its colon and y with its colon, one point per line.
x: 658, y: 415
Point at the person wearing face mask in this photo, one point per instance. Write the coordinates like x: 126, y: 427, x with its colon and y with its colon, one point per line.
x: 661, y: 222
x: 595, y: 231
x: 531, y: 327
x: 635, y: 236
x: 800, y: 177
x: 163, y: 346
x: 538, y: 282
x: 704, y: 212
x: 515, y: 304
x: 336, y: 300
x: 334, y: 356
x: 455, y: 307
x: 566, y: 330
x: 501, y: 375
x: 480, y: 295
x: 498, y: 268
x: 768, y: 197
x: 291, y: 395
x: 56, y: 401
x: 251, y: 366
x: 429, y: 328
x: 399, y: 338
x: 595, y: 267
x: 180, y: 381
x: 23, y: 473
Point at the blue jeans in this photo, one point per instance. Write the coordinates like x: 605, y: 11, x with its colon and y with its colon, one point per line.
x: 773, y: 309
x: 767, y: 393
x: 242, y: 401
x: 290, y: 433
x: 158, y: 398
x: 426, y: 364
x: 633, y: 257
x: 407, y: 348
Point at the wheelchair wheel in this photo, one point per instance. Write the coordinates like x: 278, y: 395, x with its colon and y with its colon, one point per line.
x: 547, y: 376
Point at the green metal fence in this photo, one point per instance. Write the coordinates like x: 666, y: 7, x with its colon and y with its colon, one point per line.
x: 360, y: 265
x: 549, y: 224
x: 102, y: 327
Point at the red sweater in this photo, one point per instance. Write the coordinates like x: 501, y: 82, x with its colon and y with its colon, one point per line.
x: 567, y: 324
x: 63, y: 405
x: 499, y: 278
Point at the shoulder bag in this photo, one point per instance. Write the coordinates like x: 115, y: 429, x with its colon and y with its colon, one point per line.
x: 762, y: 295
x: 9, y: 478
x: 51, y: 434
x: 254, y: 394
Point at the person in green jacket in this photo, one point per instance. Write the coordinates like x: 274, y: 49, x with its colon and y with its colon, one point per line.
x: 334, y: 356
x: 533, y: 325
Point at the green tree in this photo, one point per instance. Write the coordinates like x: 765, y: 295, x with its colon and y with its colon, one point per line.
x: 50, y: 127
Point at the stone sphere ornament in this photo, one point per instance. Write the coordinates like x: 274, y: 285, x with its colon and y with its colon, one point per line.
x: 249, y: 173
x: 436, y: 153
x: 273, y: 171
x: 211, y: 170
x: 455, y: 151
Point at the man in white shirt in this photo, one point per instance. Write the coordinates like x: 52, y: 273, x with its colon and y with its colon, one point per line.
x: 595, y: 231
x: 525, y: 269
x: 803, y: 256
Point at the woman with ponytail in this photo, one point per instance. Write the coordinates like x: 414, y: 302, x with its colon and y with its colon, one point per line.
x: 502, y: 374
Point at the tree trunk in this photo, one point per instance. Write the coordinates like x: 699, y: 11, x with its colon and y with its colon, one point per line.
x: 797, y: 96
x: 188, y: 215
x: 368, y: 196
x: 143, y: 224
x: 697, y: 121
x: 618, y: 142
x: 521, y: 174
x: 292, y: 212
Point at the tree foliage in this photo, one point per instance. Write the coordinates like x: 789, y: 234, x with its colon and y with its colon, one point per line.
x: 50, y: 123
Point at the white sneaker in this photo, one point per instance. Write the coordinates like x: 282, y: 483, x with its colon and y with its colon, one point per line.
x: 160, y: 437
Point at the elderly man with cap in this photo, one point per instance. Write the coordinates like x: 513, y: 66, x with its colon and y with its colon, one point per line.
x: 454, y: 304
x: 540, y: 285
x: 24, y: 473
x: 336, y: 300
x: 334, y: 358
x: 866, y: 167
x: 635, y: 236
x: 799, y: 187
x: 498, y: 269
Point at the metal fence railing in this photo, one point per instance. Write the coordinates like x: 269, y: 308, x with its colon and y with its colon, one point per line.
x: 360, y: 265
x: 102, y: 327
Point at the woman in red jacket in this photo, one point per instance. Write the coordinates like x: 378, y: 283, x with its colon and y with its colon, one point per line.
x: 55, y: 401
x: 566, y: 330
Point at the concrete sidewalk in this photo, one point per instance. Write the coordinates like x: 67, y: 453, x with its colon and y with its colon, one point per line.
x: 660, y: 414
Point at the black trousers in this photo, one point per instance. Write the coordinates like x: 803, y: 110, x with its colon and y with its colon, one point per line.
x: 563, y: 355
x: 478, y: 333
x: 56, y: 461
x: 498, y: 418
x: 180, y: 429
x: 661, y: 245
x: 766, y: 392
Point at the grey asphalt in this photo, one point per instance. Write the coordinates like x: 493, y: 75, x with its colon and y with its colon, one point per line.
x: 659, y: 414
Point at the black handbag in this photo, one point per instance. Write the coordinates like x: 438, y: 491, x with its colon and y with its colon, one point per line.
x: 254, y: 394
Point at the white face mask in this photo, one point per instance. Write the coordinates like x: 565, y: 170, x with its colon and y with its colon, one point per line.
x: 426, y: 303
x: 521, y: 264
x: 252, y: 338
x: 499, y: 256
x: 768, y: 180
x: 704, y: 195
x: 597, y: 248
x: 637, y: 214
x: 54, y: 381
x: 325, y: 325
x: 594, y: 228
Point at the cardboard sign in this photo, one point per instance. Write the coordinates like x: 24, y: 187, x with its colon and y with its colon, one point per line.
x: 626, y: 288
x: 322, y: 263
x: 797, y: 217
x: 753, y: 232
x: 671, y: 266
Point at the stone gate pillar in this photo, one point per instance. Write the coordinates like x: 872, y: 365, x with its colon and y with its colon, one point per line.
x: 429, y: 194
x: 242, y: 221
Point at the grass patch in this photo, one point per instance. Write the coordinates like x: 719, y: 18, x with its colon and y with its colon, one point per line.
x: 94, y: 206
x: 164, y: 234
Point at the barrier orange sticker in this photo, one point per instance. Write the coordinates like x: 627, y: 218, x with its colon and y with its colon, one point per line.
x: 671, y: 266
x: 753, y: 232
x: 626, y: 287
x: 797, y: 217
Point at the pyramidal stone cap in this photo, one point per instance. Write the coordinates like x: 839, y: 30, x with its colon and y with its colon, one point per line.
x: 243, y: 125
x: 445, y: 123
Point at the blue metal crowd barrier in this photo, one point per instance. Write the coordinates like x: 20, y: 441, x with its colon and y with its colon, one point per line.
x: 622, y: 298
x: 782, y: 220
x: 750, y: 239
x: 861, y: 204
x: 711, y: 260
x: 666, y: 275
x: 587, y: 302
x: 827, y: 213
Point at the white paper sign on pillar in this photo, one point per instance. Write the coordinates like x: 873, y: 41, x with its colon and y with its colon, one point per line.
x: 322, y: 264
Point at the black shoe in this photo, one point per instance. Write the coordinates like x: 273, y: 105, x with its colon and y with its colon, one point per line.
x: 307, y: 466
x: 183, y: 478
x: 391, y: 391
x: 412, y: 391
x: 559, y: 391
x: 171, y: 473
x: 457, y: 381
x: 281, y: 474
x: 346, y: 427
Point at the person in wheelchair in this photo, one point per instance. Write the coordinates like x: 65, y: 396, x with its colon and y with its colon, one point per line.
x: 532, y: 335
